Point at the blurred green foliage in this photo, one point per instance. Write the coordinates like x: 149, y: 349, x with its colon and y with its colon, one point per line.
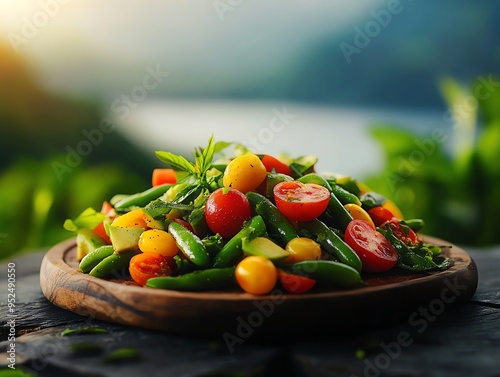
x: 451, y: 176
x: 37, y: 131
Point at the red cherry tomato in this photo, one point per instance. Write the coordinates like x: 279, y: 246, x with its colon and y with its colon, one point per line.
x: 162, y: 176
x: 226, y: 210
x: 375, y: 251
x: 301, y: 201
x: 295, y: 283
x: 380, y: 215
x: 271, y: 163
x: 148, y: 265
x: 402, y: 232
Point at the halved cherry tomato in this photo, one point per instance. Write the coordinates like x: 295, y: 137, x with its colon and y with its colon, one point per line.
x: 226, y: 210
x: 301, y: 201
x: 271, y: 163
x: 162, y: 176
x: 148, y: 265
x: 107, y: 209
x: 402, y: 232
x: 375, y: 251
x: 295, y: 283
x: 380, y: 215
x: 256, y: 275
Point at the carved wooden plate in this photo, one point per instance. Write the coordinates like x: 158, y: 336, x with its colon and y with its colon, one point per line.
x: 384, y: 299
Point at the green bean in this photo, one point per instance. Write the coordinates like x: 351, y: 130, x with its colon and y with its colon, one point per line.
x: 329, y: 272
x: 232, y: 250
x: 189, y: 244
x: 277, y: 224
x: 93, y: 258
x: 114, y: 266
x: 142, y: 198
x: 332, y: 243
x: 201, y: 280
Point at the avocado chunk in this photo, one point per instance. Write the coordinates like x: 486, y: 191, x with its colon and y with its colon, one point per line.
x: 86, y: 242
x: 261, y: 246
x: 124, y: 239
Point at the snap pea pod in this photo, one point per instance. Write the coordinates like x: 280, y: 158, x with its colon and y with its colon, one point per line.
x: 415, y: 224
x: 328, y: 272
x: 232, y: 250
x: 332, y: 243
x: 189, y: 244
x: 277, y: 224
x: 93, y: 258
x: 200, y: 280
x: 336, y: 211
x: 141, y: 198
x: 114, y: 266
x: 344, y: 196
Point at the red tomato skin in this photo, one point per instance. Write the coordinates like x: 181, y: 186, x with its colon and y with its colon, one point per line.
x: 148, y: 265
x: 163, y: 176
x: 185, y: 224
x: 271, y: 163
x: 375, y: 251
x: 380, y: 215
x: 295, y: 284
x: 226, y: 210
x: 299, y: 201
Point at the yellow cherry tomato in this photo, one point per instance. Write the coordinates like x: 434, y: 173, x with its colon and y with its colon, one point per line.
x: 302, y: 248
x: 391, y: 206
x: 244, y: 173
x: 256, y: 275
x: 358, y: 213
x: 132, y: 219
x: 158, y: 241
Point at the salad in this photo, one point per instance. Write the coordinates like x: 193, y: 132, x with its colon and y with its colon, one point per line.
x: 235, y: 219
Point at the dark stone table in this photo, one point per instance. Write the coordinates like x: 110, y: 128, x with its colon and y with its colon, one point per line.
x: 461, y: 341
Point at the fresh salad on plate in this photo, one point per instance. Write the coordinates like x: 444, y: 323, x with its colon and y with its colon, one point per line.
x: 233, y: 219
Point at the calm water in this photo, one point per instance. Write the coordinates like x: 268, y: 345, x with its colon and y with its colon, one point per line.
x: 338, y: 136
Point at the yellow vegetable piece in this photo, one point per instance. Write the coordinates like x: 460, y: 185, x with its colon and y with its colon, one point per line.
x: 158, y: 241
x: 132, y: 219
x: 302, y: 248
x: 391, y: 206
x: 256, y: 275
x: 245, y: 173
x: 358, y: 213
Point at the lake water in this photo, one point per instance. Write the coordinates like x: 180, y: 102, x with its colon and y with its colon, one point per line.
x: 338, y: 136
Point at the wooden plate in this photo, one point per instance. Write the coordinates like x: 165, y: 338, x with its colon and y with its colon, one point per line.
x: 385, y: 299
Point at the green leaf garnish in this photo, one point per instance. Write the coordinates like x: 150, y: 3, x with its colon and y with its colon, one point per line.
x: 84, y: 331
x: 88, y: 219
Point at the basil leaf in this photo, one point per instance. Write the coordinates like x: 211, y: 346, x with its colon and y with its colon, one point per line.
x: 176, y: 162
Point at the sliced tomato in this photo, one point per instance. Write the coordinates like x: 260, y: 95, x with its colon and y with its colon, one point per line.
x: 148, y: 265
x: 375, y: 251
x: 380, y: 215
x: 295, y: 283
x: 301, y: 201
x: 226, y: 210
x: 271, y: 163
x: 163, y: 176
x: 402, y: 232
x: 107, y: 209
